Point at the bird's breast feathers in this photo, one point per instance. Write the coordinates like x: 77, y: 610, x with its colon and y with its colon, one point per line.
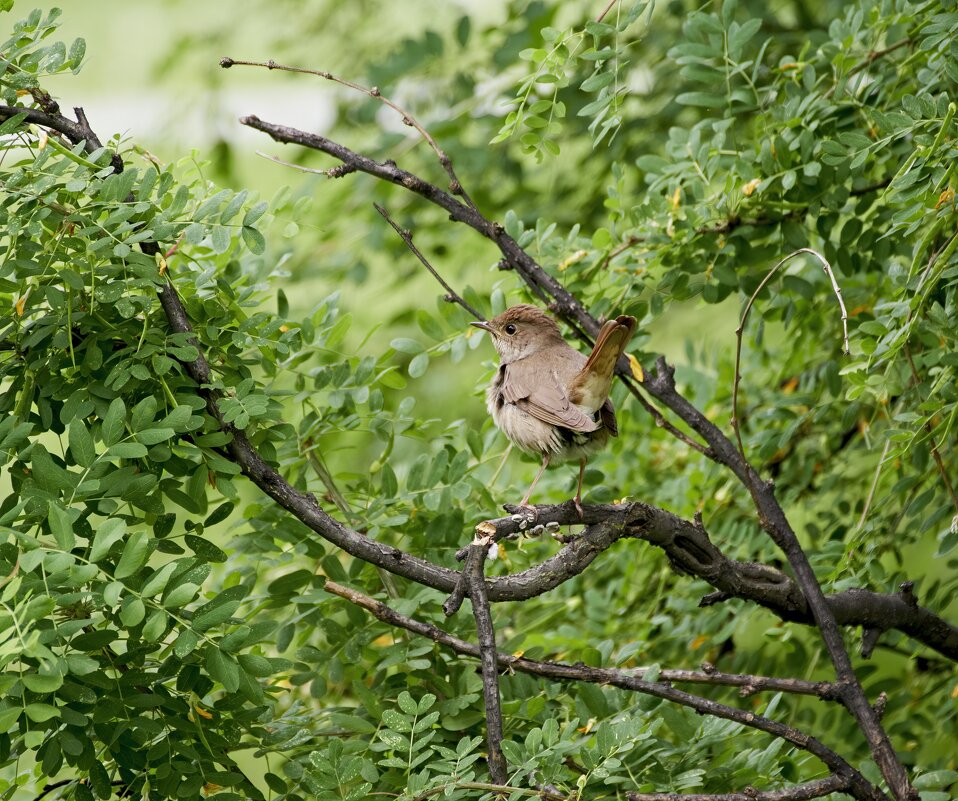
x: 532, y: 408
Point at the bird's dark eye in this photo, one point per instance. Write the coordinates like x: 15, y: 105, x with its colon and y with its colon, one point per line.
x: 510, y: 329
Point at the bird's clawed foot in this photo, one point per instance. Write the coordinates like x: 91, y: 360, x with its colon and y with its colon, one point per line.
x: 578, y: 508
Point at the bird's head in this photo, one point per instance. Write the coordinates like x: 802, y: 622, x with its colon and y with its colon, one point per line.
x: 521, y: 331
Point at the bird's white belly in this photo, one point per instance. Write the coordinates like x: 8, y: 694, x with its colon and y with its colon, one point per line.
x: 532, y: 435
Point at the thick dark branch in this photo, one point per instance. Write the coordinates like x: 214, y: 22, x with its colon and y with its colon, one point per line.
x: 691, y: 551
x: 458, y: 211
x: 302, y: 505
x: 856, y: 784
x: 773, y: 520
x: 76, y: 132
x: 818, y: 788
x: 539, y: 281
x: 486, y: 635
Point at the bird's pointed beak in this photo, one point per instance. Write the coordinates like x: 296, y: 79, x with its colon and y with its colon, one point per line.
x: 485, y: 327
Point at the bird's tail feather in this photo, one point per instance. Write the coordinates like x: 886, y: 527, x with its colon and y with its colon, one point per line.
x: 590, y: 388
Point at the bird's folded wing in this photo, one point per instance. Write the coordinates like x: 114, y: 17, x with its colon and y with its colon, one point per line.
x: 542, y: 395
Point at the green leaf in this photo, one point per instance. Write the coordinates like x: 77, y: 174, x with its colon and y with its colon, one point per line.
x: 407, y: 704
x: 255, y: 213
x: 405, y: 345
x: 61, y: 524
x: 233, y: 207
x: 114, y: 422
x: 936, y: 780
x: 177, y: 419
x: 219, y: 514
x: 9, y: 717
x: 81, y: 444
x: 220, y: 239
x: 42, y: 683
x: 220, y: 609
x: 154, y: 628
x: 106, y: 534
x: 77, y: 52
x: 254, y: 240
x: 151, y: 436
x: 126, y: 450
x: 185, y: 642
x: 135, y: 552
x: 40, y: 713
x: 205, y: 549
x: 132, y: 612
x: 143, y: 413
x: 418, y: 365
x: 223, y: 668
x: 179, y: 595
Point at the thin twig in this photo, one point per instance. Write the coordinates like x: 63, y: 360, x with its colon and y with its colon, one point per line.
x: 931, y: 436
x: 874, y: 55
x: 332, y: 172
x: 659, y: 419
x: 451, y: 295
x: 817, y: 788
x: 857, y: 785
x: 748, y: 308
x: 455, y: 185
x: 865, y: 63
x: 630, y: 242
x: 874, y: 485
x: 605, y: 10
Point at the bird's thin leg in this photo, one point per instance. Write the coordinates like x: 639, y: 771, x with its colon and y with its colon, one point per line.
x: 545, y: 463
x: 578, y: 493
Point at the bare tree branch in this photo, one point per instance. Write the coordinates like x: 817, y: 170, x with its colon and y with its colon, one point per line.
x: 818, y: 788
x: 691, y: 551
x: 486, y: 634
x: 408, y: 119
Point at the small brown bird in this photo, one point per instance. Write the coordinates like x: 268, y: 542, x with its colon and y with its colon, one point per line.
x: 548, y: 398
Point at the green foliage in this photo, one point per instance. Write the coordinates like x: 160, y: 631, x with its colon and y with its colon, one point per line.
x: 165, y: 627
x: 555, y: 67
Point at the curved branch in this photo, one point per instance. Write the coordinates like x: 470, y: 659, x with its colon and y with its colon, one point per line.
x: 736, y: 426
x: 691, y: 551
